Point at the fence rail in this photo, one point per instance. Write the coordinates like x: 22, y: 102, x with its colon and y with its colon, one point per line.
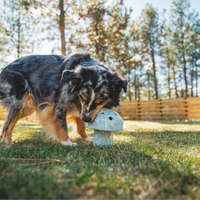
x: 167, y: 109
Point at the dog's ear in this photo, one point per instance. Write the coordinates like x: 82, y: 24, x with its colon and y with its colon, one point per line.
x: 73, y: 77
x: 68, y: 75
x: 123, y: 83
x: 117, y: 82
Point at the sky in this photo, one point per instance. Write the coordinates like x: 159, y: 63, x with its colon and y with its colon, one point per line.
x: 138, y: 5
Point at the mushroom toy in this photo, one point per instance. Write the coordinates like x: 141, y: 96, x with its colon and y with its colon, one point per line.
x: 106, y: 122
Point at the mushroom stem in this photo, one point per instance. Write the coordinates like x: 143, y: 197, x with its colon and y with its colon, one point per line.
x: 103, y: 138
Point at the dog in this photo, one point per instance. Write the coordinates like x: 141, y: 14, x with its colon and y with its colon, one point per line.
x: 61, y: 89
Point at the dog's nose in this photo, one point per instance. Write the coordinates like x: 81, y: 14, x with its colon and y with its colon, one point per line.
x: 86, y: 119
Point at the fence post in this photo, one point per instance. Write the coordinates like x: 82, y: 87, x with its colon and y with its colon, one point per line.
x: 186, y: 109
x: 161, y: 114
x: 138, y: 109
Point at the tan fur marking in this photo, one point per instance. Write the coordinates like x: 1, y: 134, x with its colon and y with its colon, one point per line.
x: 84, y: 107
x: 80, y: 125
x: 84, y: 97
x: 8, y: 138
x: 51, y: 124
x: 29, y: 106
x: 97, y: 100
x: 94, y: 113
x: 81, y: 128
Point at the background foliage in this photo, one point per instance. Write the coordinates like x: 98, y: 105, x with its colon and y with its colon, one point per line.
x: 157, y: 53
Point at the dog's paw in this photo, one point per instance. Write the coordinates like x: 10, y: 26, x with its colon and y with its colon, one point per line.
x: 69, y: 143
x: 4, y: 141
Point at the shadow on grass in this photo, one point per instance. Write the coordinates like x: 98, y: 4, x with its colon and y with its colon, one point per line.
x: 169, y: 139
x: 178, y: 138
x: 123, y: 158
x: 130, y: 166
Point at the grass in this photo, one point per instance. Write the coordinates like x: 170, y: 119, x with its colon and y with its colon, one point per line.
x: 149, y: 160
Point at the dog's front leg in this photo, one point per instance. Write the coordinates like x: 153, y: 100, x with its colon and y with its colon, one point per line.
x: 80, y: 125
x: 54, y: 122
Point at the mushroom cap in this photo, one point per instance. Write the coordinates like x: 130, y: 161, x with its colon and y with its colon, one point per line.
x: 106, y: 120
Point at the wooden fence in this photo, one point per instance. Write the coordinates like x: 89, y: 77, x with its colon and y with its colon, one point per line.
x: 167, y: 109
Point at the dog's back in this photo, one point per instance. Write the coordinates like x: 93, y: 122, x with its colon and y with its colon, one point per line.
x: 29, y: 74
x: 39, y: 75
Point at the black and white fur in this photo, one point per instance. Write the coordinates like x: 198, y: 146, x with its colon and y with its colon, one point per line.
x: 62, y: 89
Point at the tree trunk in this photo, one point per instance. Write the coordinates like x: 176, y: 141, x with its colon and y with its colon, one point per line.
x: 184, y: 61
x: 18, y: 35
x: 62, y: 27
x: 129, y: 85
x: 138, y: 93
x: 129, y: 94
x: 185, y: 75
x: 169, y: 79
x: 154, y: 73
x: 135, y: 86
x: 148, y: 78
x: 192, y: 74
x: 175, y: 84
x: 196, y: 79
x: 97, y: 33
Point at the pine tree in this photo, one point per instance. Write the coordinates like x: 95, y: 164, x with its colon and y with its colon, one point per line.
x: 103, y: 31
x: 3, y: 43
x: 179, y: 17
x: 120, y: 43
x: 91, y: 33
x: 149, y: 27
x: 193, y: 49
x: 20, y: 27
x: 138, y: 59
x: 57, y: 21
x: 168, y: 59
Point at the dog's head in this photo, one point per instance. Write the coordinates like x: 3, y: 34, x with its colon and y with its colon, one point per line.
x: 96, y: 88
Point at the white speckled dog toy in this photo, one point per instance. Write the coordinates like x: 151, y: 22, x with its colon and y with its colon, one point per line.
x: 106, y: 122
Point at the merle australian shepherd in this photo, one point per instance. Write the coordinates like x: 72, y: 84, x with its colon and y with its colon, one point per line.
x: 61, y: 89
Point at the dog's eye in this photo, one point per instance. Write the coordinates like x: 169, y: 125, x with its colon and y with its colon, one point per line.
x: 84, y: 98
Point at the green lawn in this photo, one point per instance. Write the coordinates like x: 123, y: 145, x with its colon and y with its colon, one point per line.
x: 149, y: 160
